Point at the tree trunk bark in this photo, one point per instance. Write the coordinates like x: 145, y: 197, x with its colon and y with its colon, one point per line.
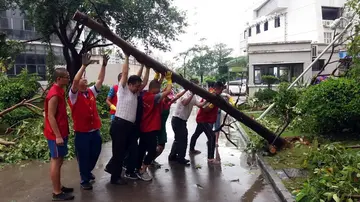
x: 148, y: 61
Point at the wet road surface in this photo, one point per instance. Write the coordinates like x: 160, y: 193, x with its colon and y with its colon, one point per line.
x: 236, y: 179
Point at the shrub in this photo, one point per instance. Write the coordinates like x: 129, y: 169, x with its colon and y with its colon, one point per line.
x: 265, y: 96
x: 102, y: 107
x: 331, y: 107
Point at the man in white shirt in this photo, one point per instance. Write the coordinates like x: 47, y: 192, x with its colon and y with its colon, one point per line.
x: 178, y: 122
x: 123, y: 126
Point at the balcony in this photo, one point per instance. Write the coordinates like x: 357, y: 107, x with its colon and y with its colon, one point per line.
x: 271, y: 6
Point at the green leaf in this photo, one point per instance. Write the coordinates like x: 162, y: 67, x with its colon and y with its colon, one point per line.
x: 336, y: 198
x: 349, y: 200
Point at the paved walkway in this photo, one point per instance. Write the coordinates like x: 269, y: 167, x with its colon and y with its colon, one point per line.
x: 234, y: 180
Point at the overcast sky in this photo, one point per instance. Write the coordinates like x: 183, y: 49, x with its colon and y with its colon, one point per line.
x: 216, y: 20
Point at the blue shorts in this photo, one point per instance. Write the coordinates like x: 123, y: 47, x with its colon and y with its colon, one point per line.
x: 112, y: 117
x: 58, y: 151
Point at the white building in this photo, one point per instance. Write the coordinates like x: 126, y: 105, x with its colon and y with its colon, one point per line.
x: 280, y: 26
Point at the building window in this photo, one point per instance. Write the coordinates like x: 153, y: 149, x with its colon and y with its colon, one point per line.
x: 257, y: 29
x: 277, y: 22
x: 284, y: 72
x: 328, y: 37
x: 28, y: 26
x: 245, y: 34
x: 266, y: 26
x: 318, y: 65
x: 17, y: 24
x: 250, y: 32
x: 330, y: 13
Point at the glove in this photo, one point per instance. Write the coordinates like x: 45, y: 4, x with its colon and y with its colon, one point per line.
x: 211, y: 106
x: 157, y: 76
x: 231, y: 101
x: 168, y: 77
x: 112, y: 107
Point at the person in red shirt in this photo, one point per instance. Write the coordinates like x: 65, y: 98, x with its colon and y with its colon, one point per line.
x: 82, y: 102
x: 111, y: 99
x: 56, y: 131
x: 150, y: 125
x: 205, y: 119
x: 165, y: 111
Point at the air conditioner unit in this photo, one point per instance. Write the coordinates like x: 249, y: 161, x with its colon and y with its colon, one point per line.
x: 314, y: 51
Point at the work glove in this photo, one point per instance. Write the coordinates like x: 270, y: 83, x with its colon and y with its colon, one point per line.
x: 168, y: 77
x: 112, y: 107
x: 157, y: 76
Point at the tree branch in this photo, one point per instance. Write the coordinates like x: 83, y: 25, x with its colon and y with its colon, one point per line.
x: 72, y: 33
x: 22, y: 103
x: 98, y: 46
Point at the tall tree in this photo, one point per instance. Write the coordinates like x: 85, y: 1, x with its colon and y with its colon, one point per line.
x: 202, y: 62
x: 153, y: 23
x: 221, y: 54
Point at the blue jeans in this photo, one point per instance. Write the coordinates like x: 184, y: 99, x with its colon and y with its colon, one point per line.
x: 87, y: 148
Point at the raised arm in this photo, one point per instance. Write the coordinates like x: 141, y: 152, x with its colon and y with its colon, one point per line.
x: 187, y: 100
x: 140, y: 70
x: 125, y: 71
x: 179, y: 95
x: 146, y: 79
x: 162, y: 78
x: 101, y: 76
x: 53, y: 103
x: 167, y: 90
x: 85, y: 62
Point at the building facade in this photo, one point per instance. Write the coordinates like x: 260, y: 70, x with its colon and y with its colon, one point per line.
x: 285, y: 36
x: 15, y: 25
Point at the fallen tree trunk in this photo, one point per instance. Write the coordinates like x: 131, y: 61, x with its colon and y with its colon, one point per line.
x: 148, y: 61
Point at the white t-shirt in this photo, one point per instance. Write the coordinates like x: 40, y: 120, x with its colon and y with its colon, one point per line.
x: 183, y: 112
x: 127, y: 104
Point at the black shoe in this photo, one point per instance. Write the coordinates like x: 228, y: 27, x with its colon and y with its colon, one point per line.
x: 172, y: 158
x: 131, y: 176
x: 86, y: 186
x: 67, y: 190
x: 183, y: 161
x: 118, y: 181
x: 62, y: 197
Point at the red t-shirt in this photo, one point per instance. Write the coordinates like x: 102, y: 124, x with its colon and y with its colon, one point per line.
x: 151, y: 117
x: 61, y: 114
x: 165, y: 105
x: 207, y: 117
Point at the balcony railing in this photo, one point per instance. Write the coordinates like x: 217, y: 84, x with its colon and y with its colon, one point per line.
x: 25, y: 35
x: 327, y: 23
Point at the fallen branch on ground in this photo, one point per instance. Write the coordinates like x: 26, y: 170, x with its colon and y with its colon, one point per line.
x: 6, y: 143
x: 26, y: 103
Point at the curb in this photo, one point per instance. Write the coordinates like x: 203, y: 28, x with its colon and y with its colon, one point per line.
x: 270, y: 174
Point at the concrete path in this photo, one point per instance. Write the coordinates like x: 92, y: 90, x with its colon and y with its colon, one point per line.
x: 236, y: 179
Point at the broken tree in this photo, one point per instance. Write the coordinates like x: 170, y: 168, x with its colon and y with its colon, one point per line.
x: 148, y: 61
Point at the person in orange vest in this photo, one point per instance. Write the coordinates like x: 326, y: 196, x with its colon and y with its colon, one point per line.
x: 56, y: 131
x: 205, y: 119
x: 111, y: 99
x: 150, y: 125
x: 82, y: 101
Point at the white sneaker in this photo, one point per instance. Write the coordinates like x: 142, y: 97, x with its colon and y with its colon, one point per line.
x: 144, y: 176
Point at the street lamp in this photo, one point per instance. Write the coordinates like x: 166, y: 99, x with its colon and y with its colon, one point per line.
x: 333, y: 26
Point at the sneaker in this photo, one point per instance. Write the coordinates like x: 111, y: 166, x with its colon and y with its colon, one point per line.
x: 124, y: 168
x: 86, y: 186
x: 144, y: 176
x: 156, y: 165
x: 67, y: 190
x: 62, y: 197
x: 131, y: 176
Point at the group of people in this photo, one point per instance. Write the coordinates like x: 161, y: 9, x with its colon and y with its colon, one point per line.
x: 137, y: 129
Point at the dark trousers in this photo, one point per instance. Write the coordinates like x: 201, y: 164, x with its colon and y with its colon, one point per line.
x: 131, y: 158
x: 87, y: 148
x: 121, y: 132
x: 179, y: 145
x: 147, y: 145
x: 207, y: 129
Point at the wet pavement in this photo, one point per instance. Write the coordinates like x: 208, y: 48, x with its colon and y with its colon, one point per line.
x: 236, y: 179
